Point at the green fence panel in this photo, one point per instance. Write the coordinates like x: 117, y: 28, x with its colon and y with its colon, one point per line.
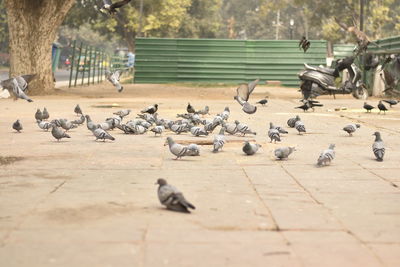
x: 218, y: 60
x: 343, y: 50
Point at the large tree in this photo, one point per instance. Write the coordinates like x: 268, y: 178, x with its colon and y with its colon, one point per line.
x: 33, y: 26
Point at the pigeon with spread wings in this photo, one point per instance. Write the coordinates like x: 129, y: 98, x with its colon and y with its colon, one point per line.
x: 111, y: 8
x: 113, y: 77
x: 18, y: 86
x: 243, y: 93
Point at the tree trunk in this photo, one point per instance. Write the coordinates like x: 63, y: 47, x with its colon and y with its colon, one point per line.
x: 33, y: 26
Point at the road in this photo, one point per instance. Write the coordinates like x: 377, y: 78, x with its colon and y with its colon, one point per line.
x: 78, y: 202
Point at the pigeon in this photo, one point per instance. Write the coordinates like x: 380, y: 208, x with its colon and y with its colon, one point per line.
x: 78, y: 110
x: 111, y: 8
x: 378, y: 147
x: 17, y: 126
x: 246, y: 106
x: 18, y: 86
x: 147, y: 117
x: 368, y: 107
x: 262, y: 102
x: 150, y: 109
x: 382, y: 107
x: 79, y: 121
x: 391, y: 102
x: 230, y: 128
x: 38, y: 115
x: 173, y: 199
x: 204, y: 111
x: 273, y: 133
x: 198, y: 131
x: 219, y: 140
x: 122, y: 113
x: 326, y: 156
x: 351, y: 128
x: 283, y: 152
x: 190, y: 109
x: 178, y: 129
x: 307, y: 104
x: 44, y: 125
x: 176, y: 149
x: 299, y: 125
x: 225, y: 114
x: 193, y: 150
x: 58, y: 133
x: 304, y: 44
x: 106, y: 126
x: 113, y: 77
x: 280, y: 129
x: 45, y: 114
x: 250, y: 149
x: 243, y: 93
x: 102, y: 135
x: 243, y: 128
x: 67, y: 125
x: 158, y: 130
x: 89, y: 123
x: 292, y: 121
x: 304, y: 107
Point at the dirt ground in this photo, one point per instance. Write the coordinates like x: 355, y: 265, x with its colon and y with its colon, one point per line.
x: 78, y: 202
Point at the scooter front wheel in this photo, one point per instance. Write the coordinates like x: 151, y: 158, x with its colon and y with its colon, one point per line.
x: 360, y: 93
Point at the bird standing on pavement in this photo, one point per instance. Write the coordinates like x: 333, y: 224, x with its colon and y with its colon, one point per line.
x: 391, y: 102
x: 102, y: 135
x: 382, y: 107
x: 378, y: 147
x: 58, y: 133
x: 351, y: 128
x: 38, y: 115
x: 45, y: 114
x: 273, y: 133
x: 243, y: 128
x: 150, y: 109
x: 17, y: 126
x: 299, y: 125
x: 177, y: 150
x: 292, y: 121
x: 78, y: 110
x: 262, y: 102
x: 283, y: 152
x: 190, y: 109
x: 44, y: 125
x: 326, y: 156
x: 122, y: 113
x: 368, y: 107
x: 173, y: 199
x: 219, y: 140
x: 158, y: 130
x: 250, y: 149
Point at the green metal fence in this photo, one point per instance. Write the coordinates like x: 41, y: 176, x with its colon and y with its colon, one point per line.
x: 228, y: 61
x: 343, y: 50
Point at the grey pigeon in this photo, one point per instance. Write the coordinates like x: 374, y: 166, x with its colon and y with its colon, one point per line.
x: 89, y: 123
x: 58, y: 133
x: 250, y: 149
x: 219, y: 140
x: 45, y: 114
x: 150, y: 109
x: 177, y: 150
x: 78, y: 110
x: 173, y: 199
x: 147, y: 117
x: 44, y: 125
x: 280, y: 129
x: 67, y: 125
x: 204, y: 111
x: 102, y: 135
x: 230, y: 128
x: 225, y: 114
x: 158, y: 129
x: 326, y: 156
x: 299, y: 125
x: 283, y: 152
x: 378, y: 147
x: 79, y: 121
x: 193, y: 150
x: 113, y: 77
x: 122, y: 113
x: 198, y: 131
x: 246, y: 106
x: 18, y: 86
x: 292, y: 121
x: 38, y: 115
x: 243, y: 128
x: 243, y: 93
x: 17, y: 126
x: 178, y: 129
x: 351, y: 128
x: 273, y: 133
x: 105, y: 125
x: 111, y: 8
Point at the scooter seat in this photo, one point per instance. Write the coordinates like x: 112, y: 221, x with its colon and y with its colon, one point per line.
x: 320, y: 69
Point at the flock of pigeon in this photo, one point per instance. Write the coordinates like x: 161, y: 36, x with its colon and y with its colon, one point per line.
x: 194, y: 122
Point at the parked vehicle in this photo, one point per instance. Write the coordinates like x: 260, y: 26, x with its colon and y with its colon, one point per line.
x: 321, y: 81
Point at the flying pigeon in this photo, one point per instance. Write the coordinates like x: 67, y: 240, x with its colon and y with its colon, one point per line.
x: 246, y: 106
x: 243, y: 93
x: 299, y: 125
x: 150, y: 109
x: 78, y: 110
x: 250, y: 149
x: 283, y: 152
x: 391, y: 102
x: 58, y: 133
x: 273, y: 133
x: 243, y: 128
x: 304, y: 44
x: 173, y: 199
x: 292, y: 121
x: 368, y: 107
x: 38, y: 115
x: 326, y: 156
x: 17, y: 126
x: 18, y: 86
x: 382, y: 107
x: 45, y: 114
x: 190, y: 109
x: 102, y: 135
x: 351, y: 128
x: 113, y: 77
x: 176, y: 149
x: 158, y: 129
x: 378, y: 147
x: 219, y: 140
x: 111, y: 8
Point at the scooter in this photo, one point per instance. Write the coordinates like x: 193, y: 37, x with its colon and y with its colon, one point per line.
x: 316, y: 81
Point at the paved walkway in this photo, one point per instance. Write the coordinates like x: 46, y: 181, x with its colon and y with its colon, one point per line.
x: 85, y: 203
